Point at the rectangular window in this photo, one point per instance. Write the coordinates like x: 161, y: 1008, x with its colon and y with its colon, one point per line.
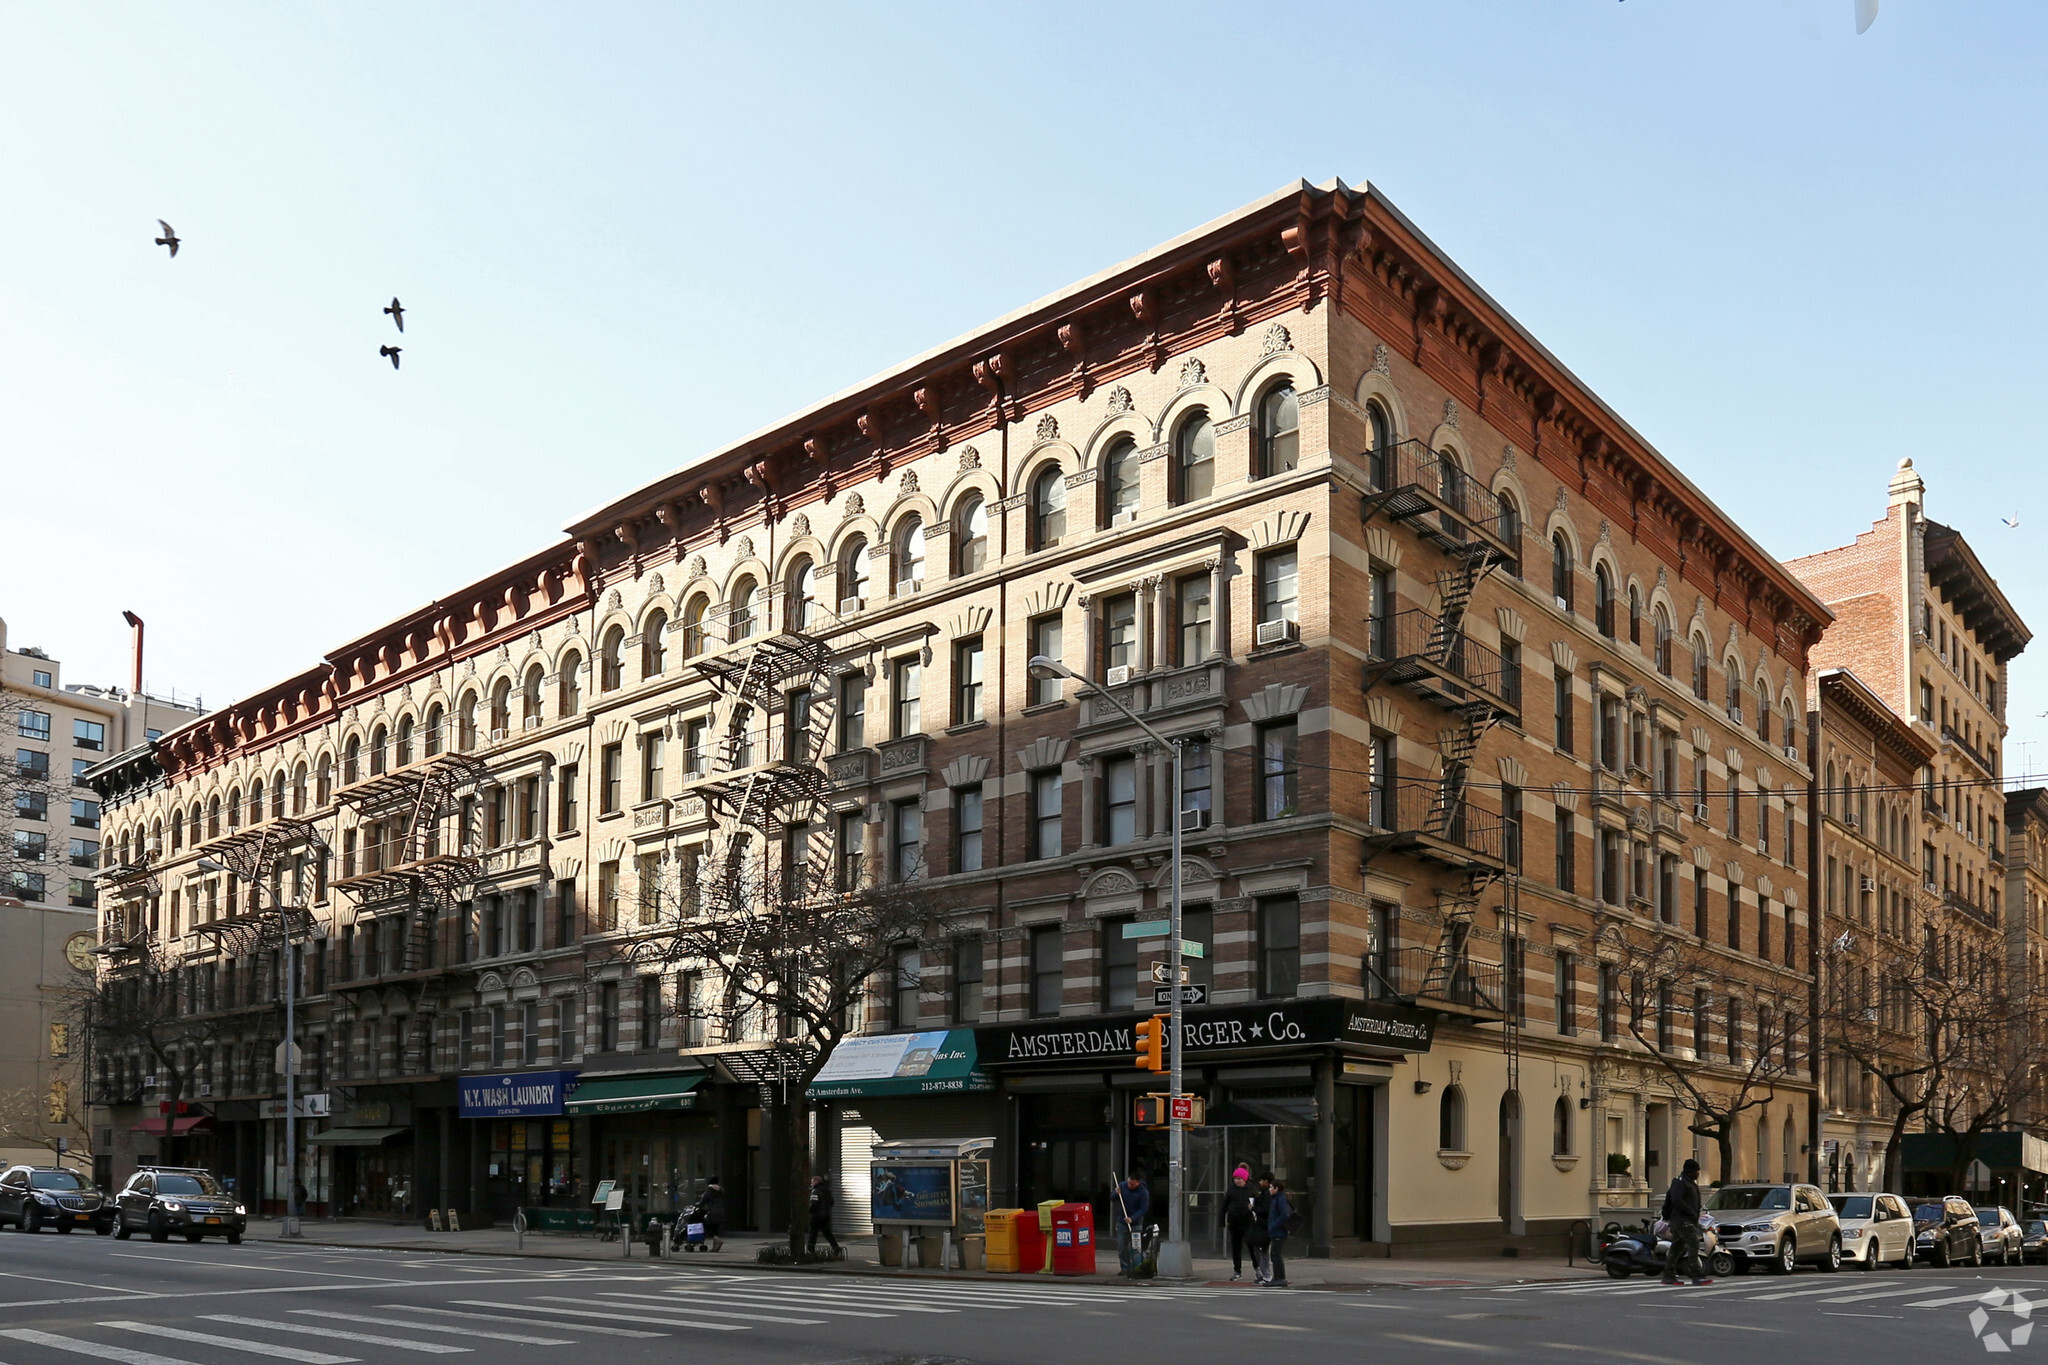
x: 1279, y: 586
x: 1561, y: 709
x: 1047, y: 792
x: 1194, y: 617
x: 1119, y: 800
x: 1380, y: 609
x: 31, y: 805
x: 909, y: 978
x: 1734, y: 916
x: 1699, y: 902
x: 1608, y: 736
x: 1567, y: 852
x: 34, y: 725
x: 967, y: 681
x: 1380, y: 783
x: 1279, y: 771
x: 1610, y: 866
x: 650, y: 1013
x: 1119, y: 967
x: 565, y: 911
x: 1279, y: 947
x: 1120, y: 631
x: 651, y: 757
x: 906, y: 840
x: 1511, y: 825
x: 1048, y: 970
x: 1514, y: 952
x: 497, y: 1035
x: 608, y: 1017
x: 647, y: 886
x: 32, y: 765
x: 1566, y: 992
x: 608, y: 896
x: 566, y: 813
x: 41, y: 678
x: 611, y: 779
x: 88, y: 734
x: 967, y: 826
x: 85, y: 814
x: 691, y: 1006
x: 1198, y: 925
x: 1045, y: 642
x: 1197, y: 785
x: 1604, y: 1002
x: 526, y: 807
x: 853, y: 711
x: 1511, y: 672
x: 852, y: 834
x: 906, y: 687
x: 967, y: 979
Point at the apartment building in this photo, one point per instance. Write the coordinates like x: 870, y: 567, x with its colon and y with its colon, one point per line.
x: 1485, y: 712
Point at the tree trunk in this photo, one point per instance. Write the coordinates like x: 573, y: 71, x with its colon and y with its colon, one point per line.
x: 1724, y: 1142
x: 797, y: 1134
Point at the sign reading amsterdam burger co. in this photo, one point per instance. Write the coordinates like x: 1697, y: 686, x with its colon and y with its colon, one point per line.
x: 1377, y: 1024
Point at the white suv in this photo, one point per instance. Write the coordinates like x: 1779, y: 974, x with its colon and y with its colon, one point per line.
x: 1777, y: 1226
x: 1877, y: 1229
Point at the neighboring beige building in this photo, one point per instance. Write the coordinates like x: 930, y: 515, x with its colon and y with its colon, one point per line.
x: 49, y: 854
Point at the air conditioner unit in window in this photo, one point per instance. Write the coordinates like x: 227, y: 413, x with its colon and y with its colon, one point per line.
x: 1118, y: 676
x: 149, y: 1082
x: 1868, y: 883
x: 1699, y: 810
x: 205, y: 1092
x: 1562, y: 605
x: 1275, y: 632
x: 1792, y: 752
x: 497, y: 736
x: 531, y: 723
x: 1849, y: 819
x: 1735, y: 714
x: 910, y: 585
x: 849, y: 605
x: 1191, y: 820
x: 1124, y: 519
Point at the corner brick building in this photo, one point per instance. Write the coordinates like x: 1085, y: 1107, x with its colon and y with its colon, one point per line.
x: 1480, y: 697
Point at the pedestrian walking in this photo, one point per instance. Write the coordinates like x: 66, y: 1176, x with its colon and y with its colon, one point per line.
x: 821, y: 1215
x: 713, y: 1204
x: 1256, y: 1237
x: 1682, y: 1213
x: 1282, y: 1222
x: 1237, y: 1221
x: 1134, y: 1207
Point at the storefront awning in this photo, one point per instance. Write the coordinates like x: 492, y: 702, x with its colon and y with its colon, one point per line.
x: 635, y: 1094
x: 938, y: 1063
x: 355, y: 1137
x: 185, y: 1127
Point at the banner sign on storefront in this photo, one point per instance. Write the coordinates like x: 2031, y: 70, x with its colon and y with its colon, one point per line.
x: 520, y: 1095
x: 1379, y: 1024
x: 935, y: 1063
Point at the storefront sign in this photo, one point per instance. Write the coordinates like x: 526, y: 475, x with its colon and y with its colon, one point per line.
x: 305, y: 1107
x: 935, y: 1063
x: 1233, y: 1028
x: 527, y: 1094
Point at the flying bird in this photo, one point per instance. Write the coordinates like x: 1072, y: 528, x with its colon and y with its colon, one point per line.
x: 2013, y: 522
x: 397, y: 312
x: 391, y: 351
x: 170, y: 237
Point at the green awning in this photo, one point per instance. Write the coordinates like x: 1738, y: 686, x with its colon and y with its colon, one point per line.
x: 355, y: 1137
x: 936, y: 1063
x: 634, y: 1094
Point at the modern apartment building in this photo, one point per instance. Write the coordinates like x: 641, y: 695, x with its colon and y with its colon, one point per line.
x: 1493, y: 729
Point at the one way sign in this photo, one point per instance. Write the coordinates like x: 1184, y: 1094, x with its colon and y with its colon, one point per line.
x: 1189, y: 995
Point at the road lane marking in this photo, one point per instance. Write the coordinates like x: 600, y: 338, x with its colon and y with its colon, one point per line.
x: 743, y: 1301
x: 669, y: 1314
x: 396, y: 1343
x: 1828, y: 1314
x: 76, y: 1284
x: 90, y: 1348
x: 1610, y: 1351
x: 1738, y: 1327
x: 523, y: 1322
x: 433, y: 1327
x: 261, y: 1348
x: 1807, y: 1293
x: 1441, y: 1341
x: 1943, y: 1303
x: 609, y: 1317
x: 163, y: 1257
x: 812, y: 1302
x: 1881, y: 1294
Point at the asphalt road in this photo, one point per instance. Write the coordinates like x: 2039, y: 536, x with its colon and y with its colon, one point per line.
x: 68, y: 1299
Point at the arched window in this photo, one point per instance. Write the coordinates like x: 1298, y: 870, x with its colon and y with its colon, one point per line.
x: 501, y: 707
x: 1561, y: 1127
x: 178, y: 830
x: 1450, y: 1119
x: 323, y: 789
x: 1635, y: 615
x: 529, y: 695
x: 1561, y: 571
x: 970, y: 531
x: 1119, y: 481
x: 277, y: 785
x: 1508, y: 524
x: 1699, y: 668
x: 404, y: 753
x: 1379, y: 460
x: 156, y: 840
x: 352, y: 761
x: 256, y: 801
x: 1048, y: 508
x: 612, y: 660
x: 803, y: 595
x: 853, y: 576
x: 213, y: 817
x: 1279, y: 431
x: 743, y: 617
x: 1194, y: 459
x: 378, y: 752
x: 298, y: 793
x: 1660, y: 626
x: 234, y: 808
x: 1791, y: 731
x: 436, y: 723
x: 654, y: 644
x: 693, y: 626
x: 1603, y: 601
x: 465, y: 722
x: 1827, y: 790
x: 910, y: 555
x: 569, y: 684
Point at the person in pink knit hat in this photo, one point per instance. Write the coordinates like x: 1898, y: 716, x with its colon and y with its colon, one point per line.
x: 1237, y: 1219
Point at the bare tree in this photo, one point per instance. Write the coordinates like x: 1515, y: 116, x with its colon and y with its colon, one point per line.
x: 787, y: 961
x: 1659, y: 972
x: 47, y: 1116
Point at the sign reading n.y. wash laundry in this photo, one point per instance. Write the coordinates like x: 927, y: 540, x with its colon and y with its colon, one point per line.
x: 517, y: 1095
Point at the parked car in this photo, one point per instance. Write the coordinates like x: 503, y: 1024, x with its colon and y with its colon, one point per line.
x: 1877, y: 1229
x: 35, y: 1197
x: 1946, y: 1232
x: 161, y: 1200
x: 2001, y: 1233
x: 1777, y: 1226
x: 2034, y: 1241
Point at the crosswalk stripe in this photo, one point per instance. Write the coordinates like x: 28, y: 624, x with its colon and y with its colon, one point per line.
x: 523, y: 1322
x: 433, y: 1327
x: 751, y: 1301
x: 975, y: 1294
x: 1944, y: 1303
x: 586, y: 1313
x: 668, y: 1314
x: 90, y: 1348
x: 302, y: 1329
x: 1807, y: 1293
x: 1881, y: 1294
x: 261, y: 1348
x: 808, y: 1300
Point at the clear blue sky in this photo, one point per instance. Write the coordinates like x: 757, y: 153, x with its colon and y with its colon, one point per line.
x: 631, y: 232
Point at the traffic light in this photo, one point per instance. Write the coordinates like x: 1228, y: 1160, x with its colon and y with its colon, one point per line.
x: 1152, y: 1043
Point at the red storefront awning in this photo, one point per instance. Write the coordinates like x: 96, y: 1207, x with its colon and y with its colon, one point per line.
x: 185, y: 1127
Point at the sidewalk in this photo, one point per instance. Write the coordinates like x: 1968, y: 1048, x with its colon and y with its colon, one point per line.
x: 740, y: 1250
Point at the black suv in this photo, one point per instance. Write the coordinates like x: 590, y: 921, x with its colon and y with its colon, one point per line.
x: 1945, y: 1232
x: 37, y: 1197
x: 167, y: 1199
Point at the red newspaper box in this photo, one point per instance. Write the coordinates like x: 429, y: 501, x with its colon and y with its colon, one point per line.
x: 1073, y: 1239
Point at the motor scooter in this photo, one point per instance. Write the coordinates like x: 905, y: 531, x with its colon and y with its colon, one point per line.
x: 1646, y: 1250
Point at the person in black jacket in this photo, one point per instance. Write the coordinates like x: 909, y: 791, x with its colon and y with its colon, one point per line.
x: 821, y: 1215
x: 713, y: 1204
x: 1237, y: 1220
x: 1682, y: 1213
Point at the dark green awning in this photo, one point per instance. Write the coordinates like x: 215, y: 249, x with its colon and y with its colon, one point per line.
x: 634, y: 1094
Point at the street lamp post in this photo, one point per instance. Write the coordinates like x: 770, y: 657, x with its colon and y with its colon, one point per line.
x: 291, y: 1061
x: 1176, y: 1260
